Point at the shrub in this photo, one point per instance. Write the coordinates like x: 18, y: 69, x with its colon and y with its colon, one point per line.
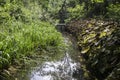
x: 114, y: 11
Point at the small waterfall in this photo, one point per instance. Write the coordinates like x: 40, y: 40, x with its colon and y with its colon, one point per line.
x: 59, y: 70
x: 63, y: 69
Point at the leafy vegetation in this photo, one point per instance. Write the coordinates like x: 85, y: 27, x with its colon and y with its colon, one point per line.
x: 98, y: 42
x: 76, y: 12
x: 25, y: 25
x: 114, y: 11
x: 93, y: 9
x: 21, y: 31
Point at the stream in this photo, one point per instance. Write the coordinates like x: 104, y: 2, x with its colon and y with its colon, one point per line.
x: 65, y: 68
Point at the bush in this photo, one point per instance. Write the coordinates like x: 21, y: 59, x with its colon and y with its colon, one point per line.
x: 77, y: 12
x: 114, y: 11
x: 19, y: 39
x: 21, y: 31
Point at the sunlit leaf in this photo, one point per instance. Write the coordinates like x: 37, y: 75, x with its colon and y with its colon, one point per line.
x: 85, y: 50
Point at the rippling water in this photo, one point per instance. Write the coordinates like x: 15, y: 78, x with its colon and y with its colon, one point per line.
x: 59, y: 70
x: 65, y: 68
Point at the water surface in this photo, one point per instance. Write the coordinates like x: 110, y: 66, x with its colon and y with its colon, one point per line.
x: 65, y: 68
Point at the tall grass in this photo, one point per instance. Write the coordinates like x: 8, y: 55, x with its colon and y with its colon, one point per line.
x: 18, y: 39
x: 22, y: 31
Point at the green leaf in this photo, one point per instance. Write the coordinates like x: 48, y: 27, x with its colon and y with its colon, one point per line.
x: 85, y: 50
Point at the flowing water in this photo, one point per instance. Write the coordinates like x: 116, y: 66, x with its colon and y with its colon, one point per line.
x: 66, y: 68
x: 59, y: 70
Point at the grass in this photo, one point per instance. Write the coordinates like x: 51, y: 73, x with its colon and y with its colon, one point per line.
x: 18, y: 39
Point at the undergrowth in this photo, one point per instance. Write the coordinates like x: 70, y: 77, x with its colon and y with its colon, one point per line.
x: 22, y: 31
x: 18, y: 39
x: 99, y: 43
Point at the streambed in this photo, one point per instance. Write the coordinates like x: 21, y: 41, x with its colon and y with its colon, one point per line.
x: 65, y: 68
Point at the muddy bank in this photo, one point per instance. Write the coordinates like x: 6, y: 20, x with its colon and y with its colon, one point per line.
x: 99, y: 44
